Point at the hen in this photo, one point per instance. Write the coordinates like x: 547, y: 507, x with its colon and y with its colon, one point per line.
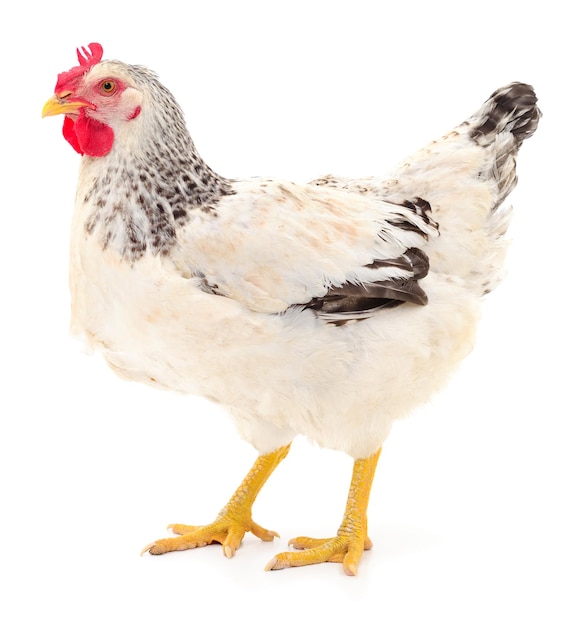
x: 326, y: 309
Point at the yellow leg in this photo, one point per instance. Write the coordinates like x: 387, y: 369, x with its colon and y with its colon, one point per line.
x: 234, y: 520
x: 347, y: 547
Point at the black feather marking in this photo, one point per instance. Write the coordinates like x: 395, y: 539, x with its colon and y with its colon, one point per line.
x: 510, y: 109
x: 420, y: 208
x: 350, y: 300
x: 511, y: 113
x: 413, y: 260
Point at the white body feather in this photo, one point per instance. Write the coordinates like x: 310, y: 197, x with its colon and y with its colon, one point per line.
x: 278, y: 368
x: 287, y: 373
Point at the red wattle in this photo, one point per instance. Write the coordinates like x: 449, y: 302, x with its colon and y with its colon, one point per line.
x: 88, y: 136
x: 69, y: 134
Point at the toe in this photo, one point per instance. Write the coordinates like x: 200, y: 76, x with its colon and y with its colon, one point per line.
x: 307, y: 543
x: 182, y: 529
x: 233, y: 541
x: 262, y: 533
x: 341, y: 549
x: 352, y: 558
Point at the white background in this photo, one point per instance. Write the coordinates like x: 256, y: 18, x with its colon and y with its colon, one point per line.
x: 468, y: 509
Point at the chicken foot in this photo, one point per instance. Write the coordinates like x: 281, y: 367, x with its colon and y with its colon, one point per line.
x: 347, y: 547
x: 234, y: 520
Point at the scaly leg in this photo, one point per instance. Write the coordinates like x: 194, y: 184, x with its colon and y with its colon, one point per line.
x: 347, y: 547
x: 234, y: 520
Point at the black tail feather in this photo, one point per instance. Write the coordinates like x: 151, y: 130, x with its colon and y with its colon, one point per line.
x: 512, y: 108
x: 501, y: 125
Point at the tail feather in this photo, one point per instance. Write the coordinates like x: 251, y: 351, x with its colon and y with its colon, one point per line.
x: 501, y: 125
x: 512, y: 108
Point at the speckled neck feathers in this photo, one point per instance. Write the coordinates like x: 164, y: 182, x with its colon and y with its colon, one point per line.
x: 143, y: 191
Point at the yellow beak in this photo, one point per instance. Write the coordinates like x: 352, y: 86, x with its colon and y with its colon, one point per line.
x: 57, y: 105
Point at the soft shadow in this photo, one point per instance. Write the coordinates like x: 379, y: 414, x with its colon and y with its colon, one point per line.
x: 393, y: 541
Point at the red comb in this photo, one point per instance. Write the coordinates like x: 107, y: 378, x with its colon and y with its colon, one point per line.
x: 90, y: 55
x: 87, y: 56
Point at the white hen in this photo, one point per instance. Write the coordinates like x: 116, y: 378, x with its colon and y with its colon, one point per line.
x: 328, y: 309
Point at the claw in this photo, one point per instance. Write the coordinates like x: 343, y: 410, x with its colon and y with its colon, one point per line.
x: 350, y: 570
x: 147, y: 548
x: 273, y: 564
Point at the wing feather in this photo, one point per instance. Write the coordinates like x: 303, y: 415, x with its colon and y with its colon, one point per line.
x: 272, y: 246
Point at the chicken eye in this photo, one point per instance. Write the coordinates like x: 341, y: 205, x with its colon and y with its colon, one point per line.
x: 108, y: 87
